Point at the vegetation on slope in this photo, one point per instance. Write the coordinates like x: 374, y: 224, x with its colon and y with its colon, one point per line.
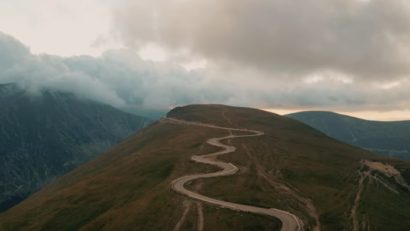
x: 291, y: 167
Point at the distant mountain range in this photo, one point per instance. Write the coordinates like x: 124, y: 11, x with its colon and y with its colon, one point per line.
x: 45, y: 135
x: 388, y: 138
x: 327, y: 184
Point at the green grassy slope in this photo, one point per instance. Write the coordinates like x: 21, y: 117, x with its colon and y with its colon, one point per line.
x: 128, y: 188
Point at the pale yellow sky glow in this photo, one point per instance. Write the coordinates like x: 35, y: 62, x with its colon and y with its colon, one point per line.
x: 395, y: 115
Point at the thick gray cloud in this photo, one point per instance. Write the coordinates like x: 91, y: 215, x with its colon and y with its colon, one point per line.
x: 366, y: 39
x: 120, y: 78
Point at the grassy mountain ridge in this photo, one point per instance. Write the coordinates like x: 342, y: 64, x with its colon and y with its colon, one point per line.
x: 292, y: 167
x: 46, y: 135
x: 388, y: 138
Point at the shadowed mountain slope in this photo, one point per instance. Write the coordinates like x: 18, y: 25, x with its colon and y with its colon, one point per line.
x: 44, y: 136
x: 388, y: 138
x: 291, y: 167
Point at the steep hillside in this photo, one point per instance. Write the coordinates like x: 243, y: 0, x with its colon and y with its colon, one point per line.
x: 289, y: 166
x: 388, y: 138
x: 48, y: 134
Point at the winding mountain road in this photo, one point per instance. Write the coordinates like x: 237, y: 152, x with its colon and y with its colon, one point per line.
x: 289, y: 221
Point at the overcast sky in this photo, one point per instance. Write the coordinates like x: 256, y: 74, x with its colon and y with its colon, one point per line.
x: 352, y: 56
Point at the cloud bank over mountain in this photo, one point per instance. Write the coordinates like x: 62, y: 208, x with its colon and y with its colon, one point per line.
x: 122, y: 79
x: 119, y: 78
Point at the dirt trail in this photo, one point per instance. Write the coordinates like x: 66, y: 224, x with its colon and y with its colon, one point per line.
x: 200, y: 219
x: 187, y: 207
x: 370, y: 169
x: 353, y: 213
x: 307, y: 204
x: 289, y: 221
x: 226, y: 118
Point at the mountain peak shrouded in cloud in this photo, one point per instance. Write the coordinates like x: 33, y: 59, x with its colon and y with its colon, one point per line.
x: 11, y: 51
x: 343, y: 55
x: 118, y: 77
x: 122, y: 79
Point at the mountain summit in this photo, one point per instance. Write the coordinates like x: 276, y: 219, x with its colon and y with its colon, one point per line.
x: 215, y: 167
